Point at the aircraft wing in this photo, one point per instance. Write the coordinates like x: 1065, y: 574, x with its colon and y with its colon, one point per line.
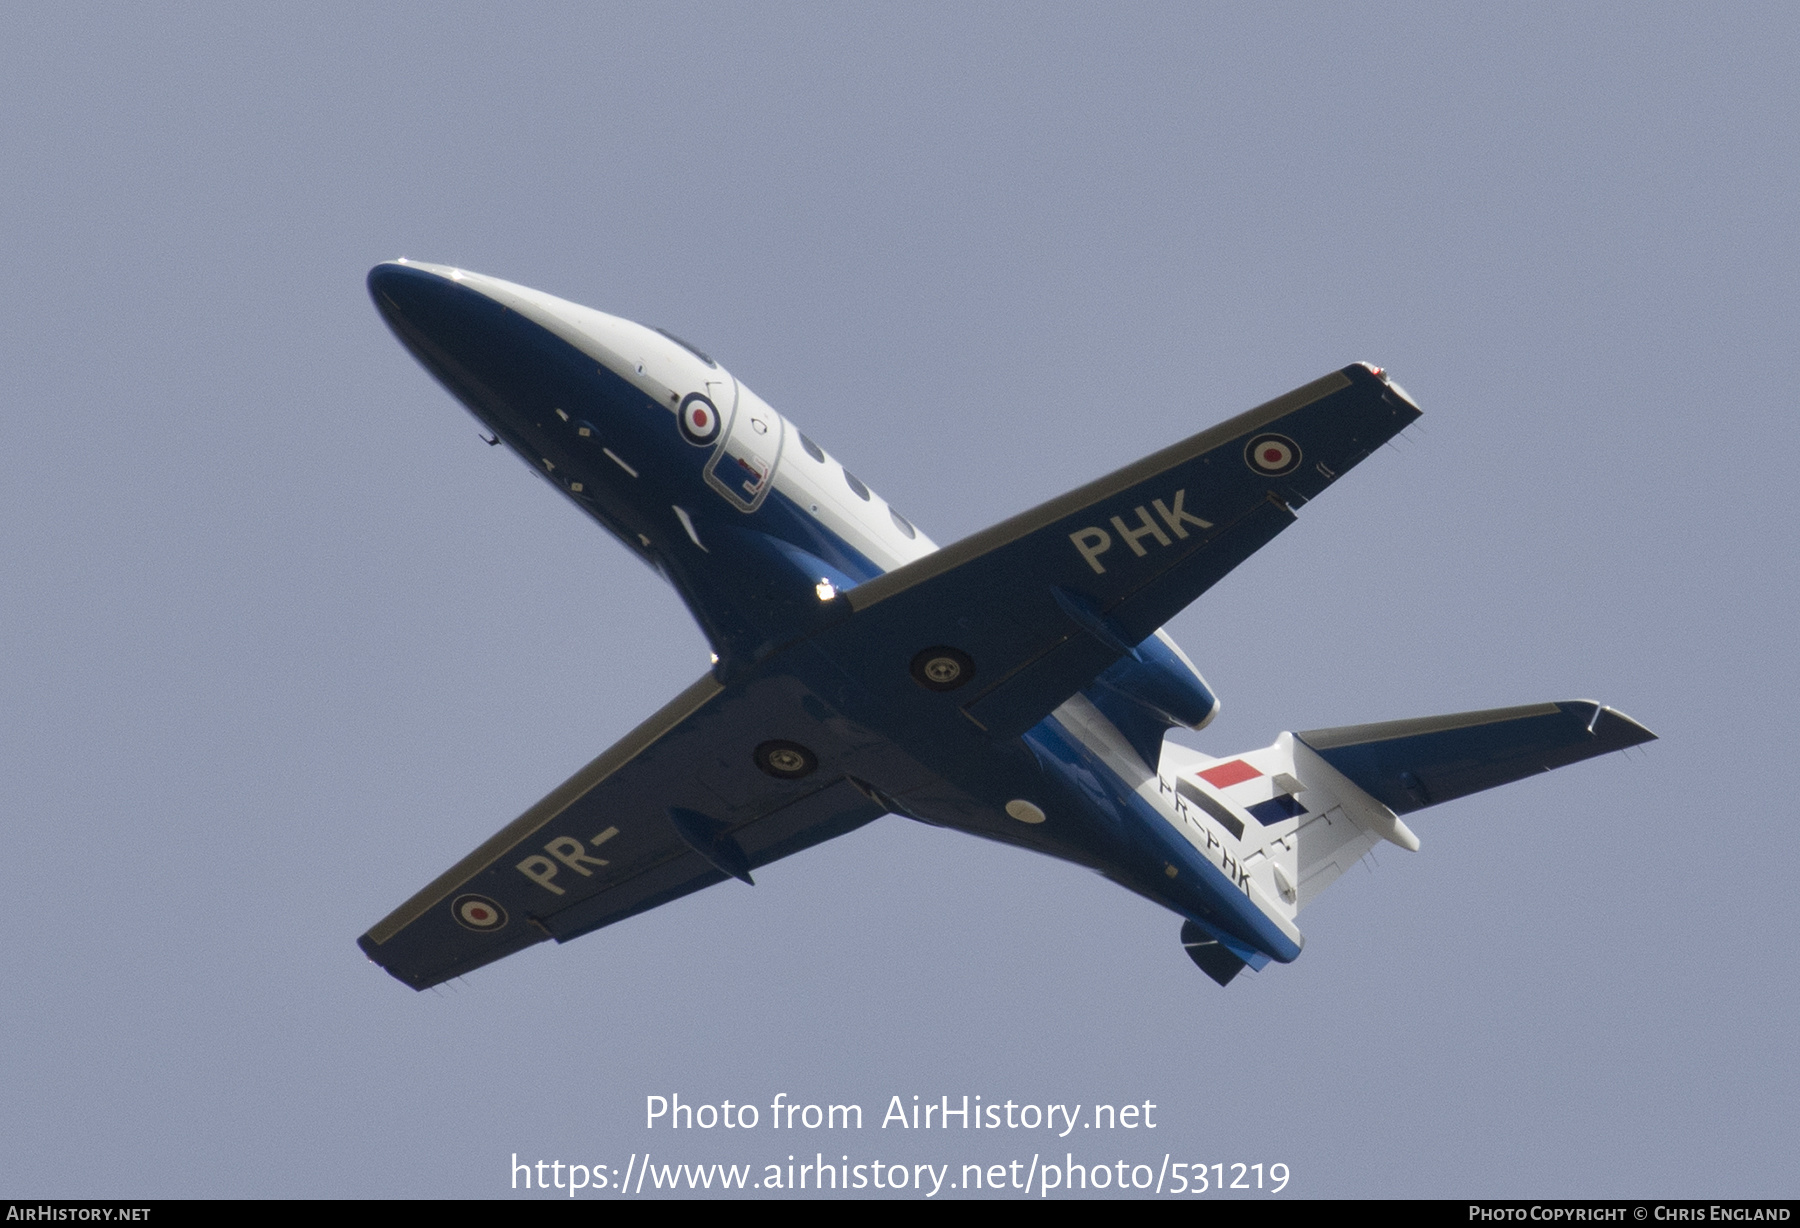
x: 1408, y: 765
x: 679, y: 804
x: 1040, y: 604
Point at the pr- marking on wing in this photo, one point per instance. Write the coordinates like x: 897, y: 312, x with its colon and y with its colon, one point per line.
x: 678, y: 804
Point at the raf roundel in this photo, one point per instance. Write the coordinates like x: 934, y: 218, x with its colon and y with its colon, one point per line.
x: 699, y: 420
x: 1272, y: 455
x: 477, y: 912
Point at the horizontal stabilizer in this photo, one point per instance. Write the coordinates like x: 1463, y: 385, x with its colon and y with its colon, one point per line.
x: 1296, y: 815
x: 1408, y: 765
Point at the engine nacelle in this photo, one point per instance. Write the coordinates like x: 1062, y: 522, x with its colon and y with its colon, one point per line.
x: 1154, y: 689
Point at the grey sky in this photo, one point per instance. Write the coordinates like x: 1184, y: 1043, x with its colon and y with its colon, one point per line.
x: 280, y: 639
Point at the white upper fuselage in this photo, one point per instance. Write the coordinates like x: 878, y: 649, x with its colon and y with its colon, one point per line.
x: 659, y: 366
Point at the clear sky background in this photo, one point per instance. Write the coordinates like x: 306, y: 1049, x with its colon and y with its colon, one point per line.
x: 280, y: 639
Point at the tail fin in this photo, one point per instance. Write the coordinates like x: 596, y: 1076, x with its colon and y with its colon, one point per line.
x: 1304, y: 810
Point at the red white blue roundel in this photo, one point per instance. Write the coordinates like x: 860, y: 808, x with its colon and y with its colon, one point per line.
x: 699, y: 420
x: 1272, y: 455
x: 477, y: 912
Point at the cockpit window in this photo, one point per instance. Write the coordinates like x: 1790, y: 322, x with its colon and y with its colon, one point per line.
x: 862, y: 492
x: 903, y: 524
x: 812, y: 449
x: 697, y: 353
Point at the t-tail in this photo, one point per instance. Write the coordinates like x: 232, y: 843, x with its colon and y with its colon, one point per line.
x: 1309, y: 807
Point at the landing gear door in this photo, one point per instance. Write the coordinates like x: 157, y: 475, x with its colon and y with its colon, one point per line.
x: 743, y: 466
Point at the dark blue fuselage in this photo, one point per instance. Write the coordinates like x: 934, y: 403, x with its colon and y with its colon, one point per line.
x: 759, y: 583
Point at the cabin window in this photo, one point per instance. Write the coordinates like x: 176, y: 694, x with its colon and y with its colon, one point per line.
x: 702, y: 356
x: 903, y: 524
x: 812, y: 449
x: 862, y: 492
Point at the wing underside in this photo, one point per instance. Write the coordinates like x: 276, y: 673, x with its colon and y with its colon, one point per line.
x: 1040, y: 604
x: 679, y: 804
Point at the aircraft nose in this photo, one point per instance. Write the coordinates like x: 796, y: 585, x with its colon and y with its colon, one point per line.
x: 459, y: 332
x: 510, y: 352
x: 424, y: 305
x: 393, y: 283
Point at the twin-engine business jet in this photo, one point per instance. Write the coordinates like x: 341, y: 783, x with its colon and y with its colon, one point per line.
x: 1015, y: 685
